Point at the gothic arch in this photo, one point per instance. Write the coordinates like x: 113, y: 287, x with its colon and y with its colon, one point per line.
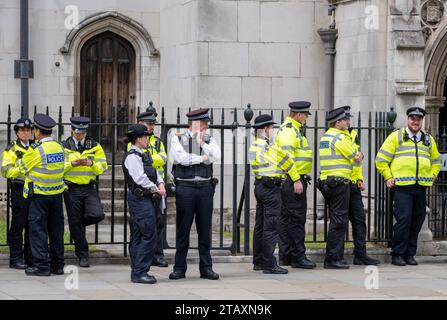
x: 146, y: 55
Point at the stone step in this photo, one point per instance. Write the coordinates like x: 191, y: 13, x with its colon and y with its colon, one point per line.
x: 106, y: 182
x: 106, y: 193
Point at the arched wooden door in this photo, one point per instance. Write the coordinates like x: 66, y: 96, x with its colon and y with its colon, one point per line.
x: 107, y: 86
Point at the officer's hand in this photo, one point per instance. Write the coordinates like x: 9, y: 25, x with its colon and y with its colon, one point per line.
x: 359, y: 158
x: 390, y: 183
x: 205, y: 158
x: 199, y: 138
x: 162, y: 190
x: 87, y: 162
x: 361, y: 185
x: 298, y: 187
x: 76, y: 163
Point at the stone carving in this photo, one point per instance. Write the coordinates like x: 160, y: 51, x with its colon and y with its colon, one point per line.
x: 394, y: 10
x: 432, y: 13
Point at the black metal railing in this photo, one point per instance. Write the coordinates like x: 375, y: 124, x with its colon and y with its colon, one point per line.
x: 234, y: 201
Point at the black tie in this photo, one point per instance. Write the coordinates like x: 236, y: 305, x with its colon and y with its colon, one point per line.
x: 80, y: 147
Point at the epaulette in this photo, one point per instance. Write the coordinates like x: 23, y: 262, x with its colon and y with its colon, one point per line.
x: 34, y: 145
x: 9, y: 147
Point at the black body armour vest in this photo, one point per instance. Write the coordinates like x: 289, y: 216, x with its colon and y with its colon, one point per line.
x: 203, y: 170
x: 149, y: 170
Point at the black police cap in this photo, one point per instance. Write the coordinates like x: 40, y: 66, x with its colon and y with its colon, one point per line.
x: 262, y: 121
x: 338, y: 114
x: 199, y: 114
x: 137, y: 130
x: 80, y: 123
x: 300, y: 106
x: 42, y: 121
x: 23, y: 123
x: 416, y: 111
x: 150, y: 115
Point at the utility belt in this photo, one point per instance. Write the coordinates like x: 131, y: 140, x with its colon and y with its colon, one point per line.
x: 150, y: 193
x: 270, y: 182
x: 93, y: 183
x: 197, y: 183
x: 17, y: 183
x: 332, y: 182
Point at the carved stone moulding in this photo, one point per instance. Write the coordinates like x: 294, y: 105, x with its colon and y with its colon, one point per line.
x: 432, y: 13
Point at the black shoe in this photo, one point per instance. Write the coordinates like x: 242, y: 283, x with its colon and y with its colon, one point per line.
x: 411, y: 261
x: 276, y: 270
x: 303, y: 263
x: 209, y: 274
x: 175, y: 275
x: 258, y: 267
x: 57, y: 271
x: 147, y: 279
x: 160, y: 262
x: 36, y: 272
x: 18, y: 265
x: 365, y: 261
x: 84, y: 263
x: 338, y: 264
x: 398, y: 261
x: 284, y: 261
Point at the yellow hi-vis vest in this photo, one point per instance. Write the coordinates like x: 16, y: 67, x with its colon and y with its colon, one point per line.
x: 292, y: 142
x: 156, y: 149
x: 43, y: 166
x: 12, y: 153
x: 267, y: 160
x: 356, y: 167
x: 408, y: 162
x: 84, y: 174
x: 337, y: 154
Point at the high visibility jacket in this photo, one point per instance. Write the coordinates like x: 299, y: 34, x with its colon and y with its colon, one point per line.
x: 12, y: 153
x: 84, y: 174
x: 337, y: 154
x: 408, y: 162
x: 294, y: 143
x: 43, y: 166
x: 356, y: 167
x: 157, y: 150
x: 268, y: 160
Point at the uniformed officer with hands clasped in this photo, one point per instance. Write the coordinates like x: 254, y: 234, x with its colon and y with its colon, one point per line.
x: 193, y: 153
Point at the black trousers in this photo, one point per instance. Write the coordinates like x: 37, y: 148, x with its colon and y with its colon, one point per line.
x: 292, y: 223
x: 338, y: 199
x: 19, y: 247
x: 266, y: 231
x: 81, y: 201
x: 143, y: 234
x: 46, y: 224
x: 358, y: 220
x: 409, y: 211
x: 193, y: 202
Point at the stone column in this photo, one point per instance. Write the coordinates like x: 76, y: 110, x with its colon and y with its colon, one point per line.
x: 432, y: 106
x: 329, y: 36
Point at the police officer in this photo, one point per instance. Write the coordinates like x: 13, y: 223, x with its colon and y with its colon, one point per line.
x: 292, y: 141
x: 19, y: 255
x: 85, y: 160
x: 193, y: 154
x: 338, y: 154
x: 43, y: 166
x: 270, y: 165
x: 158, y: 153
x: 409, y: 161
x: 357, y: 211
x: 144, y: 184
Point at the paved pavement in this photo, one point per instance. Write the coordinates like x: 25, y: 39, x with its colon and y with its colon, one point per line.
x: 238, y: 281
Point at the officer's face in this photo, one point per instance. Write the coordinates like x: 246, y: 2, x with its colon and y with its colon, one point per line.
x: 79, y: 135
x: 199, y: 126
x: 302, y: 117
x: 149, y: 126
x: 142, y: 142
x: 344, y: 123
x: 414, y: 123
x: 269, y: 131
x: 24, y: 134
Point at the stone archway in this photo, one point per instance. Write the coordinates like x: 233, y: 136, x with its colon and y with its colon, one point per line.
x: 146, y: 55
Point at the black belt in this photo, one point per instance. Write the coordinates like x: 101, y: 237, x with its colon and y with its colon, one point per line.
x: 197, y: 183
x: 18, y: 183
x: 276, y: 180
x: 72, y: 184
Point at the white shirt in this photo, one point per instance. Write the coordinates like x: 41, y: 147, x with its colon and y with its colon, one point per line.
x: 76, y: 142
x: 134, y: 165
x: 46, y: 139
x: 25, y: 145
x: 178, y: 155
x: 411, y: 134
